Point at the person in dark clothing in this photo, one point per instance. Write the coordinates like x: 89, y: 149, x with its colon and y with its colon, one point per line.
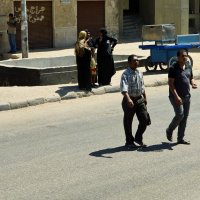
x: 83, y: 58
x: 180, y: 76
x: 89, y: 39
x: 105, y: 63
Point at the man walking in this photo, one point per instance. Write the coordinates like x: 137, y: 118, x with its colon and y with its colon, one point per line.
x: 12, y: 23
x: 180, y: 77
x: 134, y: 102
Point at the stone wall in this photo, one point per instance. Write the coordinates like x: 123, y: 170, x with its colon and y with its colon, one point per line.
x: 112, y: 16
x: 65, y: 23
x: 5, y: 8
x: 173, y: 11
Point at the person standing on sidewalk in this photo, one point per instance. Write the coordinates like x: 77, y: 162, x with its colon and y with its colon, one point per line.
x: 134, y: 102
x: 12, y: 23
x: 180, y: 76
x: 93, y: 68
x: 105, y: 63
x: 83, y: 58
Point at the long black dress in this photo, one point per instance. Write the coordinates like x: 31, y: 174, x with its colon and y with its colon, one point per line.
x: 105, y: 62
x: 83, y: 67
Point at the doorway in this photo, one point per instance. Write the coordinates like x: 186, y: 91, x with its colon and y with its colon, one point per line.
x: 91, y: 16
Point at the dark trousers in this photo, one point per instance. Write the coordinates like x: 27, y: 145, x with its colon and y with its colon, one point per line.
x: 180, y: 118
x: 12, y: 42
x: 141, y: 113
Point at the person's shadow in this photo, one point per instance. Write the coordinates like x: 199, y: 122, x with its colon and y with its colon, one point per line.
x: 156, y: 148
x: 62, y: 91
x: 101, y: 153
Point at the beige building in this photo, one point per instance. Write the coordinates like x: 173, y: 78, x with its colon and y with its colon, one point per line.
x: 56, y: 23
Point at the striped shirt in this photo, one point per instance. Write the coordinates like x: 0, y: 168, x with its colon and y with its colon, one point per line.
x: 132, y: 82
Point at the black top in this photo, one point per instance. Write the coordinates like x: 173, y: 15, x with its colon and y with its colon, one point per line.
x: 91, y: 43
x: 182, y: 78
x: 105, y: 46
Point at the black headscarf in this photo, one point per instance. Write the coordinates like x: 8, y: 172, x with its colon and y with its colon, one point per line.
x: 103, y: 31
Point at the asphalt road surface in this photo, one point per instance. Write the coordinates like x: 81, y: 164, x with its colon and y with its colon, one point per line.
x: 74, y: 150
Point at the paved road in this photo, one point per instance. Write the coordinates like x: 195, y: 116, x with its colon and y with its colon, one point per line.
x: 74, y: 150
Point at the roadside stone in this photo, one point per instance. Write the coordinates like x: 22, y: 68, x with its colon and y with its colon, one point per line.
x: 53, y: 98
x: 4, y: 106
x: 83, y: 94
x: 34, y: 102
x: 87, y: 94
x: 70, y: 95
x: 98, y: 91
x: 20, y: 104
x: 111, y: 89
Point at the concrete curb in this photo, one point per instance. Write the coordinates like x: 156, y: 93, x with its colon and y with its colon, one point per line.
x: 57, y: 98
x: 4, y: 106
x: 79, y: 94
x: 17, y: 105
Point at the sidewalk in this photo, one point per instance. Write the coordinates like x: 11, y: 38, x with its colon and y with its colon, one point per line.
x: 19, y: 97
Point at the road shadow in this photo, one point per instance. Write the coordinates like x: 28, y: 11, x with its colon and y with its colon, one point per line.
x: 103, y: 153
x: 158, y: 147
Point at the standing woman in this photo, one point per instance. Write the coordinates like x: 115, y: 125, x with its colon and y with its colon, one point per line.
x: 83, y: 58
x: 105, y: 45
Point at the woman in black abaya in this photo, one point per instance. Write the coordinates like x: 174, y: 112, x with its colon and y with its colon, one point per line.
x: 105, y: 63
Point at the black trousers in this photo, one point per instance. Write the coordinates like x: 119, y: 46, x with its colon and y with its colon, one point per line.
x: 141, y: 112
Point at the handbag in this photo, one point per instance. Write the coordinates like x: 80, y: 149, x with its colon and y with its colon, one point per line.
x: 140, y: 101
x: 148, y: 119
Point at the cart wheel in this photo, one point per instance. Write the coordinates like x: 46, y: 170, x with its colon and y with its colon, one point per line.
x: 174, y: 59
x: 149, y: 65
x: 163, y: 66
x: 190, y: 60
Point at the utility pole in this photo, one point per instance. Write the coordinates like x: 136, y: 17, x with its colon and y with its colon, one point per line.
x: 24, y: 30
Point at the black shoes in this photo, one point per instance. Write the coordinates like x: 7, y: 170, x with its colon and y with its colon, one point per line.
x: 141, y: 144
x: 183, y: 142
x: 94, y: 85
x: 168, y: 135
x: 131, y: 146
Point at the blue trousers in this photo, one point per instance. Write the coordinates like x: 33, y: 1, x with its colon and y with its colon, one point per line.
x: 12, y: 42
x: 180, y: 118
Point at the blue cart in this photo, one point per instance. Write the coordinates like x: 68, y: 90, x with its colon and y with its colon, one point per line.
x: 163, y: 52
